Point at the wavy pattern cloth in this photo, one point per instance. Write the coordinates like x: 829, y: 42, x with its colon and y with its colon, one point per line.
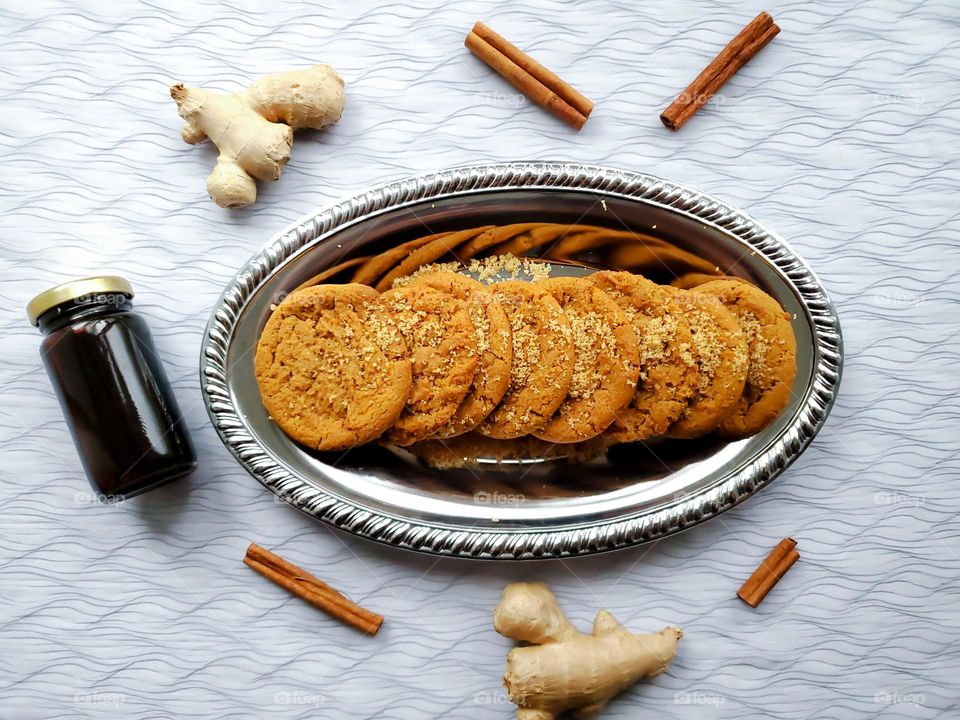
x: 842, y: 136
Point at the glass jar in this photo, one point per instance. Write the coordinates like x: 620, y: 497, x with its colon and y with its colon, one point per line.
x: 113, y: 390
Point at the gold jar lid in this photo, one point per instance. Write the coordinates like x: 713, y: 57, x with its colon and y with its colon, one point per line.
x: 76, y: 290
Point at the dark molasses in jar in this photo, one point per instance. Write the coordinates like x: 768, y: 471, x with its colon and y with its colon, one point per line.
x: 113, y: 390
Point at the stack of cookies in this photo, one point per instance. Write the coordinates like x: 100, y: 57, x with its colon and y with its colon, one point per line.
x: 454, y: 369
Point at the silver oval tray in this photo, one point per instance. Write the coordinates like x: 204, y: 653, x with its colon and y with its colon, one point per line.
x: 550, y: 509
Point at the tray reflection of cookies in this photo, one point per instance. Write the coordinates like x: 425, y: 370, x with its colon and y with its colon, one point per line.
x: 458, y: 346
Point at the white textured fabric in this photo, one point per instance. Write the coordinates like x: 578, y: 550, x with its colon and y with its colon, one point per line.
x: 842, y: 136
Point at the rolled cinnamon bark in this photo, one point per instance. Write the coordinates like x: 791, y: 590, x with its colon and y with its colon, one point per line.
x: 553, y: 81
x: 522, y: 76
x: 776, y: 564
x: 305, y: 586
x: 748, y: 42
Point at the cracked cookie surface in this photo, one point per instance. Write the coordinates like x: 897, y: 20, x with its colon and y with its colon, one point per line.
x: 494, y: 348
x: 542, y: 365
x: 772, y: 350
x: 606, y: 361
x: 328, y: 377
x: 720, y: 349
x: 442, y: 343
x: 668, y: 369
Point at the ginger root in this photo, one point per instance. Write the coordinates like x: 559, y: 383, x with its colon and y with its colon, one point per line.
x: 253, y: 129
x: 564, y: 670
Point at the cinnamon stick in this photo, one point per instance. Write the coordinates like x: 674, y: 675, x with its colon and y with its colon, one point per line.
x: 738, y: 52
x: 305, y: 586
x: 528, y: 76
x: 553, y: 81
x: 768, y: 574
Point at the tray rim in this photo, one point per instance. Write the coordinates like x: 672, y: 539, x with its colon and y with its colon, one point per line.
x: 645, y: 526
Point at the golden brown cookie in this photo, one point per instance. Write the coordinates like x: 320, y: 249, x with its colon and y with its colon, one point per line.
x: 542, y: 361
x: 721, y: 352
x: 443, y: 350
x: 606, y: 361
x: 494, y: 348
x: 330, y: 377
x: 668, y: 369
x: 772, y: 350
x: 466, y: 450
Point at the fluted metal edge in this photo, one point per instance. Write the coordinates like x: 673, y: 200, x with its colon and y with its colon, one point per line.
x: 484, y: 543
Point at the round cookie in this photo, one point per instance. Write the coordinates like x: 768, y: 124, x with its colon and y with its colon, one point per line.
x: 330, y: 377
x: 542, y: 361
x: 720, y: 349
x: 443, y: 350
x: 494, y: 349
x: 668, y: 368
x: 606, y: 361
x: 772, y: 349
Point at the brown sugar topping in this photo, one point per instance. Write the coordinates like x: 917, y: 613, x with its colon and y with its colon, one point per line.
x: 592, y: 339
x: 494, y: 268
x: 443, y: 348
x: 757, y: 371
x: 543, y: 361
x: 605, y: 368
x: 508, y: 267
